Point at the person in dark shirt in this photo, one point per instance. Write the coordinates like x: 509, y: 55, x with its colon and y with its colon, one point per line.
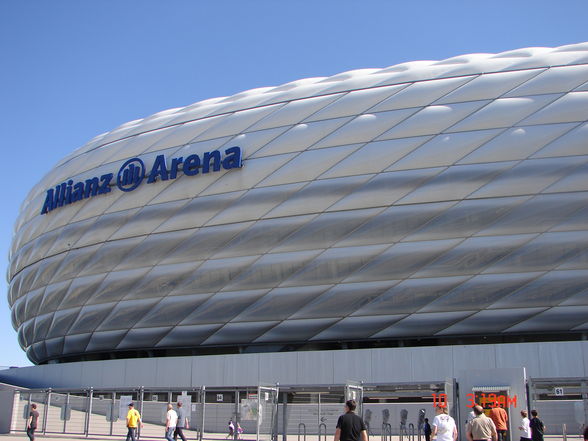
x: 537, y: 427
x: 427, y: 430
x: 350, y: 427
x: 32, y: 422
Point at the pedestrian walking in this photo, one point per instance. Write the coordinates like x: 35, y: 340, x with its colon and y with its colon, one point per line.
x: 427, y: 430
x: 239, y: 430
x: 182, y: 422
x: 350, y: 427
x: 524, y: 427
x: 133, y: 420
x: 231, y: 433
x: 32, y: 422
x: 171, y: 421
x: 481, y: 428
x: 500, y: 418
x: 444, y: 428
x: 586, y: 433
x: 537, y: 427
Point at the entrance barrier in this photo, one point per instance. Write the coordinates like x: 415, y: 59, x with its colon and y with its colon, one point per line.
x: 322, y: 432
x: 386, y: 432
x: 303, y: 431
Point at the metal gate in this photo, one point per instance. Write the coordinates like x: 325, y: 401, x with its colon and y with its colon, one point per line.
x: 562, y: 403
x: 267, y: 413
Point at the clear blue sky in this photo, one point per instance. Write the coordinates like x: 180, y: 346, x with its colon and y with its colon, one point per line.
x: 70, y: 70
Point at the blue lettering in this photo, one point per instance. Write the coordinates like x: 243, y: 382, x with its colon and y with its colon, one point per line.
x: 159, y: 169
x: 233, y: 158
x: 48, y: 205
x: 78, y: 192
x: 174, y: 167
x: 191, y: 165
x: 132, y: 172
x: 105, y: 183
x: 208, y: 156
x: 91, y: 187
x: 68, y: 192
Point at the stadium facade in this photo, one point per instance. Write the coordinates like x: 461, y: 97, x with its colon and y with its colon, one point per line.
x: 396, y: 224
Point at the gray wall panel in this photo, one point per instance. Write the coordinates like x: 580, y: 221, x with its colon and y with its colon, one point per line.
x: 521, y: 355
x: 562, y: 359
x: 392, y: 364
x: 281, y: 368
x: 316, y: 367
x: 475, y: 357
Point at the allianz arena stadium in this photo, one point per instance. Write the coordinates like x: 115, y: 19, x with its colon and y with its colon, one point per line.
x: 431, y: 202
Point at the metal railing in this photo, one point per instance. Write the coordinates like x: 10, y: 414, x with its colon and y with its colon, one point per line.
x: 303, y: 432
x: 386, y: 432
x: 322, y: 432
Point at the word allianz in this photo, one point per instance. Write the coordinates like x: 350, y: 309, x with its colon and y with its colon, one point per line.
x: 132, y: 174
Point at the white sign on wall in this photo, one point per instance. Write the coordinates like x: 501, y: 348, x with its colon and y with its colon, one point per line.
x: 558, y: 391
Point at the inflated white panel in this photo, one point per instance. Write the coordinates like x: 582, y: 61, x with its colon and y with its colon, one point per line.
x: 503, y: 112
x: 489, y: 86
x: 365, y: 128
x: 433, y: 119
x: 569, y: 108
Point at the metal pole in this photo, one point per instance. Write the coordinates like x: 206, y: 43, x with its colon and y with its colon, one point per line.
x: 203, y: 407
x: 259, y: 409
x: 319, y: 414
x: 584, y: 390
x: 65, y: 412
x: 276, y: 408
x: 563, y: 431
x: 141, y: 395
x: 112, y: 407
x: 237, y: 419
x: 46, y: 412
x: 89, y: 408
x: 285, y: 416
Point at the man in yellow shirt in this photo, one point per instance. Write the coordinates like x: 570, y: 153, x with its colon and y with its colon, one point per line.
x: 133, y: 420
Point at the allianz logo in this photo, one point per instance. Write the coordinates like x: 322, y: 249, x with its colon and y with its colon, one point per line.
x: 133, y: 172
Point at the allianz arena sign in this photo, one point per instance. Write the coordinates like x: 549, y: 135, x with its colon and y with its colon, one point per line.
x: 132, y: 173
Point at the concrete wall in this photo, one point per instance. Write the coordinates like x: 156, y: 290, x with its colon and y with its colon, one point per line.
x: 557, y: 359
x: 7, y: 400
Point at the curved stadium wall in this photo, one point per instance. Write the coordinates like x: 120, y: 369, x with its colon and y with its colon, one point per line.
x: 427, y: 200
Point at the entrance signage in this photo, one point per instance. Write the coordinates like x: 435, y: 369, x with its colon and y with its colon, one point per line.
x: 133, y: 172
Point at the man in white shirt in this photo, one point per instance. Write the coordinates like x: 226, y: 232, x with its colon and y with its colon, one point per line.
x: 171, y: 422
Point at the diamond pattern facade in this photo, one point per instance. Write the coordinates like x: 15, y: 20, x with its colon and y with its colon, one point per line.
x: 424, y: 199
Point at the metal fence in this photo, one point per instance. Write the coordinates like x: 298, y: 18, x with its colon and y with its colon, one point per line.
x: 266, y: 412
